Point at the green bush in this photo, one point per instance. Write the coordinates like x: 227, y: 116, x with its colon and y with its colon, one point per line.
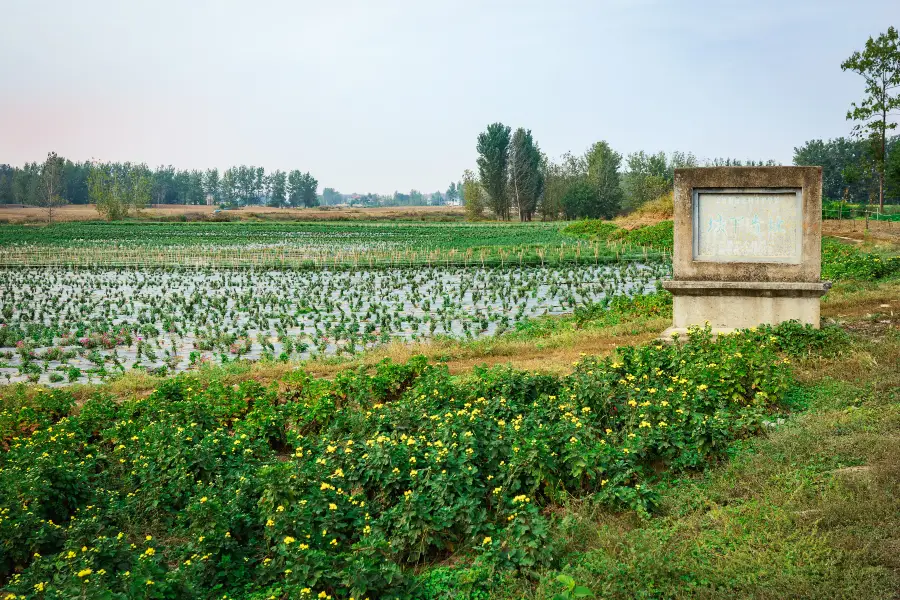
x: 345, y: 486
x: 660, y: 236
x: 593, y: 229
x: 843, y: 261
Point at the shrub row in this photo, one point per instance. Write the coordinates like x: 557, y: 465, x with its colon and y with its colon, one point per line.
x: 340, y: 488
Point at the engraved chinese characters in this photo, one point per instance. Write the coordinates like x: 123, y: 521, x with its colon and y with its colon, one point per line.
x: 747, y: 226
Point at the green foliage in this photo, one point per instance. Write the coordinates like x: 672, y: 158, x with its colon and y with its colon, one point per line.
x: 660, y: 236
x: 472, y: 196
x: 493, y: 166
x: 570, y: 589
x: 594, y: 229
x: 580, y: 201
x: 836, y: 156
x: 526, y: 180
x: 603, y: 165
x: 799, y: 340
x: 344, y: 486
x: 118, y: 192
x: 302, y: 189
x: 647, y: 177
x: 842, y: 261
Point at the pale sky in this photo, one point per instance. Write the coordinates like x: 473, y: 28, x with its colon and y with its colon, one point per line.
x: 382, y: 95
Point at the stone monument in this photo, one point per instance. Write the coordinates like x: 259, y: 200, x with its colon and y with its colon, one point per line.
x: 747, y: 247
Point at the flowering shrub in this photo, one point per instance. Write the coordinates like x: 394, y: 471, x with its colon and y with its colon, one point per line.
x: 844, y: 261
x: 316, y: 488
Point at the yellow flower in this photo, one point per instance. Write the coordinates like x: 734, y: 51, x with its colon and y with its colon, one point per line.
x: 332, y: 506
x: 486, y: 541
x: 149, y: 551
x: 84, y: 572
x: 289, y: 540
x: 203, y: 499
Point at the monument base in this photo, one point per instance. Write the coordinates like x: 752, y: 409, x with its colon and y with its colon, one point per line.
x: 729, y: 305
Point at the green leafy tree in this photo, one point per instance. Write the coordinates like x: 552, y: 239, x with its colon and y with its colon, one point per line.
x: 211, y: 184
x: 278, y: 185
x: 879, y: 65
x: 309, y: 191
x: 603, y: 165
x: 646, y: 178
x: 103, y: 195
x: 7, y: 173
x: 331, y: 196
x: 892, y: 172
x: 26, y: 183
x: 526, y: 179
x: 472, y: 196
x: 229, y: 189
x: 493, y: 167
x: 835, y: 157
x: 452, y: 193
x: 295, y: 188
x: 558, y: 178
x: 416, y: 198
x: 118, y: 190
x: 49, y: 198
x: 580, y: 200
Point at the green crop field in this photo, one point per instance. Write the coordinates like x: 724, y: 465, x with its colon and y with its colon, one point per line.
x: 281, y: 245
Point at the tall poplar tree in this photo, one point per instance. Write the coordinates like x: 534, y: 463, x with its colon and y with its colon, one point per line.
x: 493, y: 165
x: 526, y: 179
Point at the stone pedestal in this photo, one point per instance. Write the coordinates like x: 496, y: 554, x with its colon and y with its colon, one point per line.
x: 747, y: 247
x: 728, y: 305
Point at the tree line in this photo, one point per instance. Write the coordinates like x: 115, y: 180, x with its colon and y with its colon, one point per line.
x: 514, y: 176
x: 117, y: 188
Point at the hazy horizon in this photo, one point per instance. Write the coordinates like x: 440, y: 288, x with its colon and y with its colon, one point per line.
x: 378, y: 98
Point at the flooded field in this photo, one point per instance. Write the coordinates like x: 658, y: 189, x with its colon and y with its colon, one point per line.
x: 75, y: 325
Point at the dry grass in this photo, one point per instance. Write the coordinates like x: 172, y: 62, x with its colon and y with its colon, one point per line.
x: 651, y: 213
x: 878, y: 231
x: 89, y: 212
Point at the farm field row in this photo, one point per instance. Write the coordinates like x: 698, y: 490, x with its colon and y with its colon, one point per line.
x: 64, y: 325
x: 312, y: 245
x: 367, y: 235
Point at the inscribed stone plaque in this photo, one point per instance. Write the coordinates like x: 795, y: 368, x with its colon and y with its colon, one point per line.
x: 747, y: 225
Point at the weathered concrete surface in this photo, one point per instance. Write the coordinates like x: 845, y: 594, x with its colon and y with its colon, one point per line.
x: 729, y: 294
x: 807, y: 179
x: 737, y: 305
